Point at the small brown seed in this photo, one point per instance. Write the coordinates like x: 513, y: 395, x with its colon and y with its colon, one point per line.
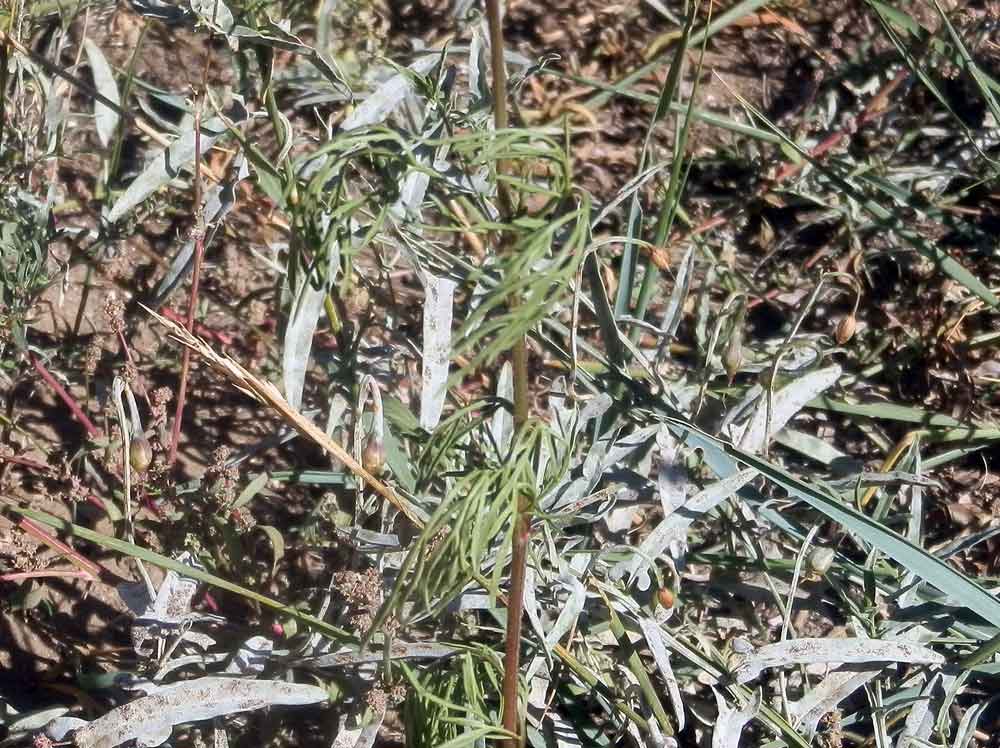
x: 845, y: 329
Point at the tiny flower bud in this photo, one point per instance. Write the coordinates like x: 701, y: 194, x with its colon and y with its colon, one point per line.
x: 140, y: 453
x: 845, y: 329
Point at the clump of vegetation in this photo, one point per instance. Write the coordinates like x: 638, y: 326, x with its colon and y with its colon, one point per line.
x: 432, y: 388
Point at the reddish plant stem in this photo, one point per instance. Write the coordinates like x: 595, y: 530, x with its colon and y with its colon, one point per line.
x: 224, y: 338
x: 199, y: 251
x: 522, y: 521
x: 28, y: 463
x: 74, y: 407
x: 85, y: 565
x: 19, y: 576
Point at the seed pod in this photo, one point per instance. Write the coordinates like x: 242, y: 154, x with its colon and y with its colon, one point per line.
x: 845, y: 329
x: 732, y: 357
x: 373, y: 458
x: 140, y: 453
x: 821, y: 559
x: 665, y: 597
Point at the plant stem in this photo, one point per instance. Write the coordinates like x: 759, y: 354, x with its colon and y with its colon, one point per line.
x: 519, y: 355
x: 88, y: 567
x: 75, y: 409
x: 199, y: 251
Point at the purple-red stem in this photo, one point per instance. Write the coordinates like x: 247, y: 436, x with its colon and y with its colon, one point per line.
x: 85, y: 565
x: 75, y: 409
x: 28, y: 463
x: 20, y: 576
x: 199, y: 251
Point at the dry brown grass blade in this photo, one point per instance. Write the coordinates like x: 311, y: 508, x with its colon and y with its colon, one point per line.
x: 269, y: 395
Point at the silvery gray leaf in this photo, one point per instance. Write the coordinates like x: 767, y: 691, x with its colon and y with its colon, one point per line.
x: 349, y: 657
x: 252, y: 656
x: 479, y: 90
x: 220, y: 738
x: 531, y: 602
x: 369, y: 541
x: 60, y: 727
x: 671, y: 478
x: 561, y: 730
x: 363, y: 737
x: 812, y: 651
x: 21, y: 727
x: 824, y: 698
x: 671, y: 533
x: 604, y: 453
x: 151, y: 719
x: 786, y: 403
x: 411, y: 195
x: 619, y: 519
x: 302, y: 321
x: 219, y: 201
x: 278, y: 36
x: 502, y: 422
x: 387, y: 96
x: 654, y: 639
x: 569, y: 611
x: 167, y: 163
x: 809, y: 446
x: 730, y: 723
x: 970, y: 720
x: 162, y: 10
x: 438, y: 301
x: 739, y: 411
x: 105, y: 117
x: 215, y: 14
x: 675, y: 307
x: 167, y: 613
x: 920, y: 721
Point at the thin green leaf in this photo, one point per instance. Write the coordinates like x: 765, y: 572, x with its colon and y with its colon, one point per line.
x: 164, y: 562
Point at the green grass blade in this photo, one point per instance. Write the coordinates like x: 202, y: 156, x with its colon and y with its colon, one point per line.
x: 157, y: 559
x: 924, y: 565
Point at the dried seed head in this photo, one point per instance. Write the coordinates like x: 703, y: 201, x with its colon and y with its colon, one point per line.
x: 373, y: 458
x: 821, y: 559
x: 140, y: 453
x: 845, y: 329
x: 665, y: 597
x: 114, y: 310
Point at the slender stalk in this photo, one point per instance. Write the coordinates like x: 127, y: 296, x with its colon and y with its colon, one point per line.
x: 199, y: 251
x: 88, y: 567
x: 92, y: 431
x: 519, y: 355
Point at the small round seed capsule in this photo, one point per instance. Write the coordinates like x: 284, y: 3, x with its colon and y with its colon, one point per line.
x: 665, y: 597
x: 732, y: 358
x: 140, y: 453
x: 845, y: 329
x: 821, y: 559
x: 373, y: 457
